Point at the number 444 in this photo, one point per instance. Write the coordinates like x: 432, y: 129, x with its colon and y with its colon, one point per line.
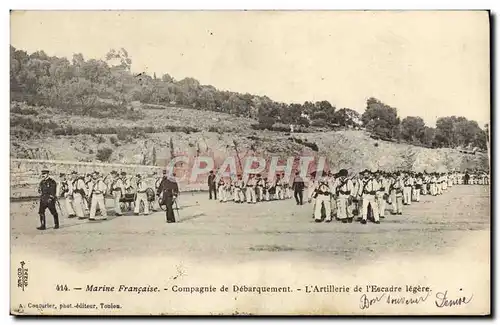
x: 62, y: 287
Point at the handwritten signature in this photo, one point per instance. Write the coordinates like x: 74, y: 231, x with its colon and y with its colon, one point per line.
x: 366, y: 302
x: 442, y: 300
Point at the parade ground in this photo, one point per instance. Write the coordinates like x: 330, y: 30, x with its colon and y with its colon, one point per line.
x: 209, y: 229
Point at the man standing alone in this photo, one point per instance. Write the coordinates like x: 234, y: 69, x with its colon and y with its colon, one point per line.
x: 170, y: 190
x: 47, y: 190
x: 212, y: 186
x: 298, y: 189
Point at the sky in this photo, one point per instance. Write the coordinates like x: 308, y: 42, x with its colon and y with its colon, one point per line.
x: 427, y: 64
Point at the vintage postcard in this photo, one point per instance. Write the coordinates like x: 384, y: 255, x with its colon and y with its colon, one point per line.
x: 250, y: 163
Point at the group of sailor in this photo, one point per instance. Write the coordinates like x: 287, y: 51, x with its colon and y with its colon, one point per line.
x: 369, y: 193
x: 85, y: 194
x: 252, y: 190
x: 338, y: 196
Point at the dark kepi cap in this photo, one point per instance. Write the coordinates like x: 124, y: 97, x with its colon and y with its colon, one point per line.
x: 164, y: 172
x: 74, y: 172
x: 123, y: 173
x: 343, y: 173
x: 138, y: 176
x: 62, y: 174
x: 45, y: 171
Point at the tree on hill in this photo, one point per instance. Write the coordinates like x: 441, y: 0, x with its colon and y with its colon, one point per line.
x: 84, y: 86
x: 412, y: 128
x: 453, y: 131
x: 380, y: 119
x: 347, y: 117
x: 428, y: 136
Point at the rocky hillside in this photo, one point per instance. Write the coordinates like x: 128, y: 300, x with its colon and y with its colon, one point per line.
x: 154, y: 136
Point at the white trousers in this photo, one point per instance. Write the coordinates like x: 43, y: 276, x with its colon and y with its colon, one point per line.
x: 78, y: 205
x: 116, y: 197
x: 222, y: 194
x: 279, y: 193
x: 68, y: 204
x: 433, y: 189
x: 141, y: 197
x: 381, y: 203
x: 342, y: 207
x: 259, y: 193
x: 407, y: 194
x: 238, y: 195
x: 416, y: 194
x: 98, y: 201
x: 370, y: 200
x: 251, y: 195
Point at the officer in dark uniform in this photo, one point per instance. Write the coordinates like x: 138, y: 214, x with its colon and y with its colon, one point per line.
x: 169, y: 190
x: 466, y: 178
x: 298, y: 189
x: 212, y: 186
x: 47, y: 190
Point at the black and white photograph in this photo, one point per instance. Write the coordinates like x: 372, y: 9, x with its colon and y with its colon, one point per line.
x: 250, y: 162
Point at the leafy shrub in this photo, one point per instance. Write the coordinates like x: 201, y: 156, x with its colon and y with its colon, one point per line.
x: 311, y: 145
x: 302, y: 121
x: 29, y: 124
x: 318, y: 123
x: 101, y: 139
x: 23, y: 111
x: 216, y: 129
x: 176, y: 128
x: 280, y: 128
x: 114, y: 141
x: 104, y: 154
x: 122, y: 134
x: 259, y: 126
x: 266, y: 122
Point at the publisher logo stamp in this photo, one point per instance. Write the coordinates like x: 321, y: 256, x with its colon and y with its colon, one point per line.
x: 22, y: 276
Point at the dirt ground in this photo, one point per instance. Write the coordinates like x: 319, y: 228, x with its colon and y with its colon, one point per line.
x: 242, y: 232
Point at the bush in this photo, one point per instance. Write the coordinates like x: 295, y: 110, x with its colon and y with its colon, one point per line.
x: 101, y: 139
x: 105, y: 110
x: 302, y: 121
x: 215, y: 129
x: 32, y: 125
x: 319, y: 123
x: 311, y: 145
x: 114, y: 141
x: 122, y: 134
x: 175, y: 128
x: 26, y: 111
x: 266, y: 122
x: 259, y: 126
x: 281, y: 128
x: 104, y: 154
